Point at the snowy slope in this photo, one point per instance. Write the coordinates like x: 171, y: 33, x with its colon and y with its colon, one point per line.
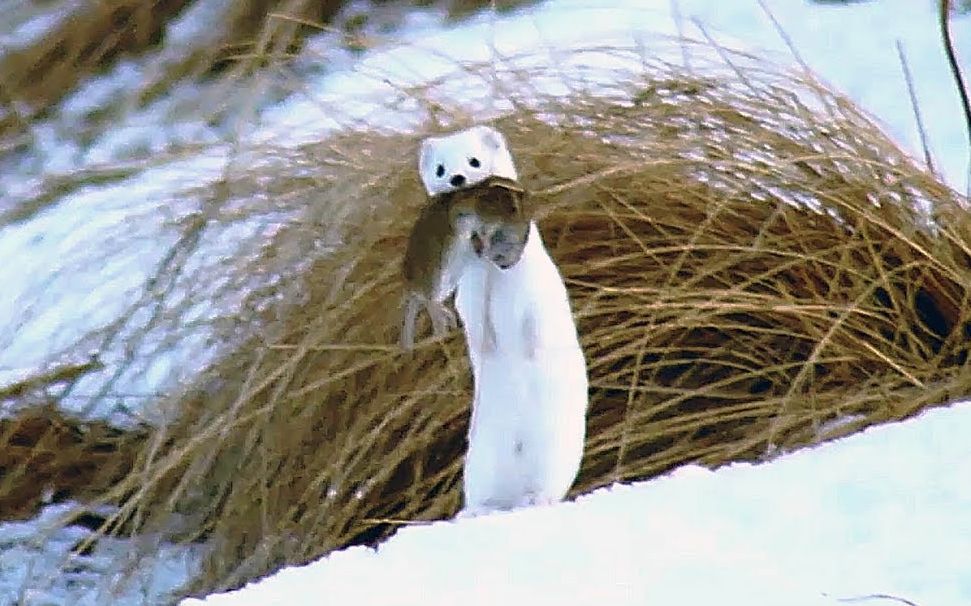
x: 852, y: 47
x: 883, y: 512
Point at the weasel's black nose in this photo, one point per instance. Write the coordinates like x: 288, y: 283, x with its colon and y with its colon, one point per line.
x: 457, y: 180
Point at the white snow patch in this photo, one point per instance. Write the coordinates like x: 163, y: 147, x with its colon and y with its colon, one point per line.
x: 852, y: 47
x: 82, y: 262
x: 38, y: 567
x: 30, y: 24
x: 882, y: 512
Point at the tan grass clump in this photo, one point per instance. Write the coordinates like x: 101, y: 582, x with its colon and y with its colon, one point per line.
x: 748, y: 260
x: 47, y: 455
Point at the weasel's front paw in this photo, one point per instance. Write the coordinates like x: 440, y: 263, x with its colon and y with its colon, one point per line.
x: 471, y: 512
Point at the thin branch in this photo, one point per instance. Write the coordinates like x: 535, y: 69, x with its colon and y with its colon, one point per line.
x: 58, y: 374
x: 785, y: 36
x: 908, y: 78
x: 724, y: 55
x: 945, y: 23
x: 679, y: 24
x: 878, y: 596
x: 787, y: 40
x: 301, y: 21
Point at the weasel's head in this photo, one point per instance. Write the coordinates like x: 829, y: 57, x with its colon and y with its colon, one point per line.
x: 464, y: 158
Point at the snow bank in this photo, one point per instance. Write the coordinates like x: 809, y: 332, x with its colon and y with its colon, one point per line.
x: 883, y: 512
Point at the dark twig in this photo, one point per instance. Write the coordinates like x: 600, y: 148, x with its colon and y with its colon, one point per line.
x: 908, y: 78
x: 945, y: 22
x: 679, y: 24
x: 878, y: 596
x: 787, y: 40
x: 723, y: 54
x: 785, y: 36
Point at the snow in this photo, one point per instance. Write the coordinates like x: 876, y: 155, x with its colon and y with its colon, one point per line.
x: 26, y: 25
x: 37, y: 566
x: 853, y: 48
x: 885, y: 512
x: 866, y: 66
x: 82, y: 263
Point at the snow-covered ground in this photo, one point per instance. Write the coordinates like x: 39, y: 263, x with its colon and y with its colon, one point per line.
x: 886, y: 512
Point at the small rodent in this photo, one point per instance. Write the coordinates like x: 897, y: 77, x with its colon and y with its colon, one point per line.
x: 441, y: 240
x: 489, y: 220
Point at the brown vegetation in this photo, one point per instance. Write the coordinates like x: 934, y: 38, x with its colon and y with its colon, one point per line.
x: 47, y: 455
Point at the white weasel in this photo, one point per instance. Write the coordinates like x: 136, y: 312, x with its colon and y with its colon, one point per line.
x: 530, y: 376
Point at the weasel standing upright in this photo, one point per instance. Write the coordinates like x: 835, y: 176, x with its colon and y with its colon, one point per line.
x: 530, y: 393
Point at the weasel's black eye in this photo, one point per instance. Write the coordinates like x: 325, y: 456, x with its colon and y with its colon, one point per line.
x: 440, y: 170
x: 474, y: 162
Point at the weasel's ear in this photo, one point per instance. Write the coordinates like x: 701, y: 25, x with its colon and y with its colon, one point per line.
x: 490, y: 137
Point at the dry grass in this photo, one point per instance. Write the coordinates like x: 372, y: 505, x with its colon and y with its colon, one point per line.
x: 47, y: 455
x: 747, y: 258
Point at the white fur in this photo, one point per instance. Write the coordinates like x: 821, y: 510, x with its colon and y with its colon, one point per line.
x: 530, y: 394
x: 452, y: 155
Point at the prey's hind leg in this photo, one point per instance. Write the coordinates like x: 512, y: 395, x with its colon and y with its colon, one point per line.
x: 412, y: 305
x: 443, y: 318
